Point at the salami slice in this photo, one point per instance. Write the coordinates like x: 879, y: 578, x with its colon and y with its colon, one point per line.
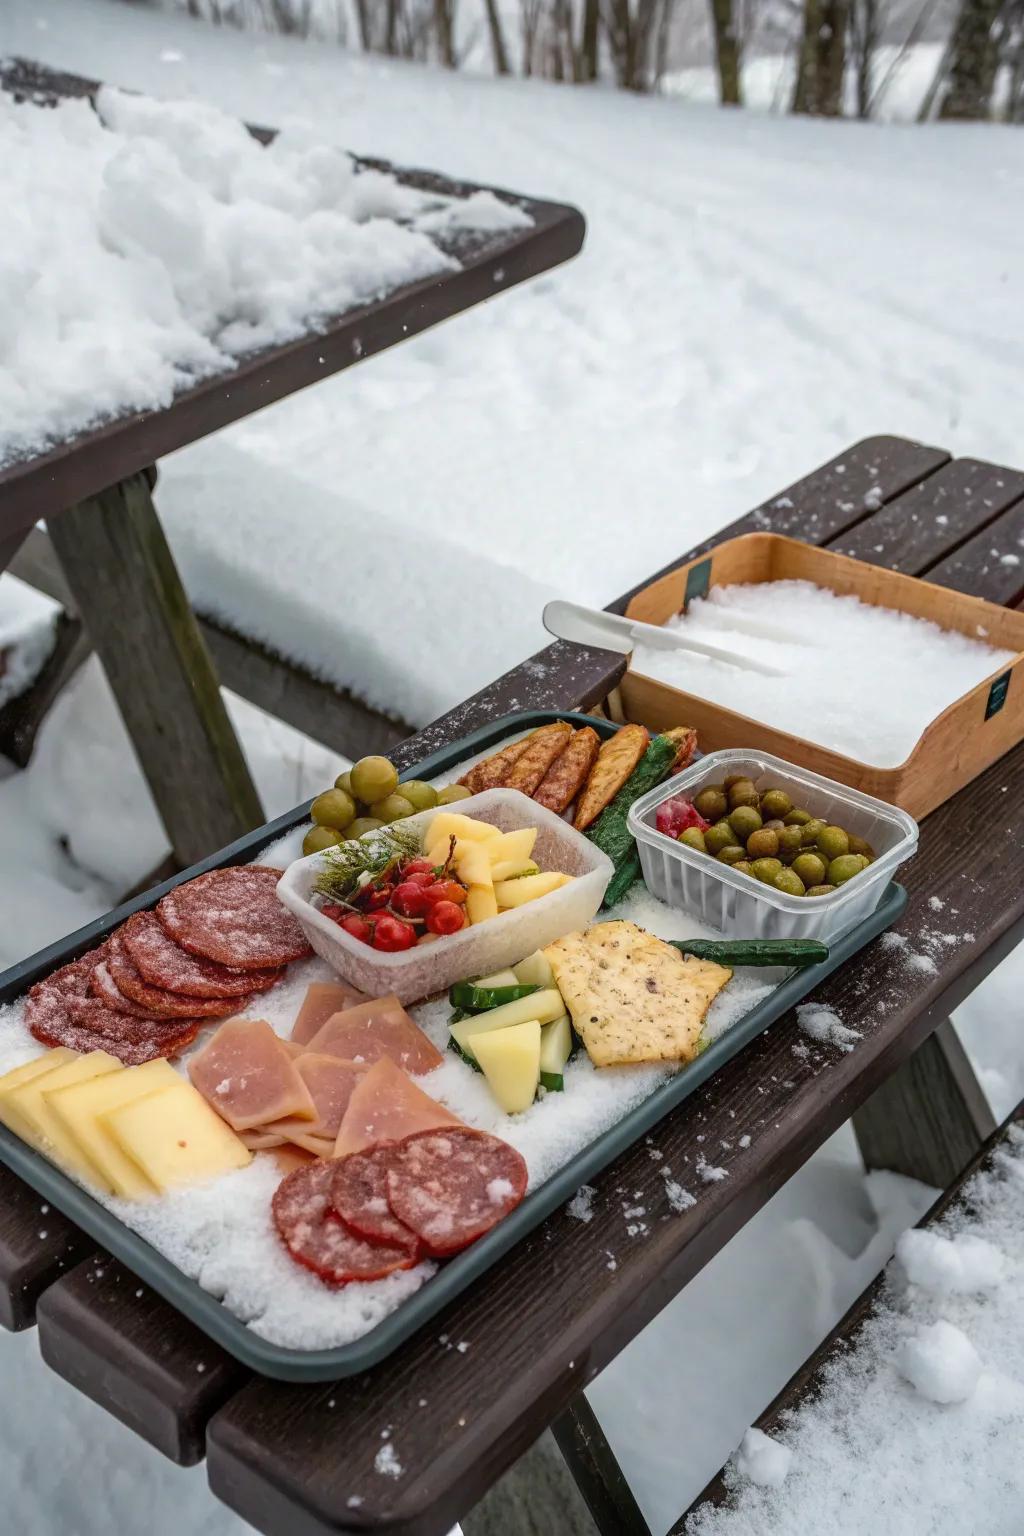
x: 234, y: 916
x: 173, y: 1005
x: 78, y: 1037
x: 359, y: 1194
x: 47, y: 1003
x: 163, y: 963
x: 91, y: 1013
x: 317, y: 1238
x: 102, y: 988
x: 451, y: 1186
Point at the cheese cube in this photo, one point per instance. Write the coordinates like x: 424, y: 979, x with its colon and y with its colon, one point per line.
x: 78, y: 1110
x: 175, y: 1137
x: 29, y: 1113
x: 510, y: 1059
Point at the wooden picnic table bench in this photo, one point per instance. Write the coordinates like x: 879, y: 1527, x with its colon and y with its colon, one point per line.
x: 545, y: 1320
x: 105, y: 558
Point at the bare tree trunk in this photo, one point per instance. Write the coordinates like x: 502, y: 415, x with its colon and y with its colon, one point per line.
x: 974, y: 61
x: 661, y: 45
x: 586, y: 68
x: 822, y: 64
x: 363, y: 18
x: 391, y: 28
x: 629, y: 35
x: 445, y: 32
x: 727, y: 53
x: 530, y: 16
x: 1015, y: 57
x: 864, y: 31
x: 499, y: 52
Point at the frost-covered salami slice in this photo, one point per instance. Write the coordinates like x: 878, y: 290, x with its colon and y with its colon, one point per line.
x: 47, y: 1003
x: 234, y: 916
x: 452, y: 1186
x: 359, y: 1194
x: 163, y: 963
x: 91, y: 1013
x: 316, y: 1236
x: 173, y: 1005
x: 77, y: 1037
x: 102, y: 988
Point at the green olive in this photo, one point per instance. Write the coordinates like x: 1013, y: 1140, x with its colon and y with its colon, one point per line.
x: 319, y: 838
x: 735, y: 778
x: 731, y: 855
x: 392, y: 808
x: 743, y: 792
x: 744, y: 820
x: 820, y: 890
x: 861, y: 845
x: 789, y: 882
x: 373, y: 779
x: 845, y: 867
x: 693, y: 837
x: 718, y: 837
x: 774, y: 824
x: 833, y: 842
x: 344, y: 781
x: 775, y: 802
x: 711, y: 802
x: 790, y: 843
x: 811, y: 829
x: 420, y: 795
x: 744, y: 867
x: 797, y: 818
x: 334, y: 808
x: 763, y: 844
x: 453, y: 792
x: 765, y: 870
x: 810, y: 867
x: 362, y: 825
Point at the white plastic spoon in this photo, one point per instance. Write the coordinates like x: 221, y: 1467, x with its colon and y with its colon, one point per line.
x: 593, y: 626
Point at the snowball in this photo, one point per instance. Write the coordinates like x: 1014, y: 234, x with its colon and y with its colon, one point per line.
x: 762, y: 1460
x: 946, y: 1266
x: 941, y: 1363
x: 824, y: 1025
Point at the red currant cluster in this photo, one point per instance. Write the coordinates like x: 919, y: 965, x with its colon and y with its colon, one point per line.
x: 404, y: 906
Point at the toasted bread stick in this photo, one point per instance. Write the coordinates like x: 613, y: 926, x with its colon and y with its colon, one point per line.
x: 615, y: 762
x: 541, y: 750
x: 567, y: 774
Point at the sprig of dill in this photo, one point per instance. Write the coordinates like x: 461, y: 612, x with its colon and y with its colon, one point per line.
x: 371, y: 855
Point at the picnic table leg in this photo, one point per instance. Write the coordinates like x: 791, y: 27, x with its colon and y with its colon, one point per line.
x: 930, y: 1118
x: 127, y: 589
x: 596, y: 1472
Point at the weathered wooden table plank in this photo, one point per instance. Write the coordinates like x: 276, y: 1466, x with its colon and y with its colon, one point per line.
x: 929, y: 521
x: 991, y: 564
x: 145, y: 1363
x: 37, y: 1245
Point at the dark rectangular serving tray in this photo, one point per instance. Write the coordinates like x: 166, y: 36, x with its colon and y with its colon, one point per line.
x: 348, y: 1359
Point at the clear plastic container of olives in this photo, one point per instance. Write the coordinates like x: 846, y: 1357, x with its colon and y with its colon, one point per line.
x: 743, y: 907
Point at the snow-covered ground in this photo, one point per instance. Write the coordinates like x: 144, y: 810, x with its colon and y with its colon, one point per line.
x: 755, y: 294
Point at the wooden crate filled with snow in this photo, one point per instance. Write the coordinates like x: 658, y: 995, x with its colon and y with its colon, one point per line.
x: 898, y: 688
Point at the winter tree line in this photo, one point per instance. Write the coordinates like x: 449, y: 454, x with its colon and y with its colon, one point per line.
x: 835, y: 44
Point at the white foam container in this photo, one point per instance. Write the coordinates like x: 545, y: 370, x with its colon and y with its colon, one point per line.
x: 742, y: 907
x: 490, y: 946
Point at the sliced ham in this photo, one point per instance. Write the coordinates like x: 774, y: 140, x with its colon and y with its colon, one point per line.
x: 387, y: 1106
x: 247, y: 1078
x: 322, y: 999
x: 377, y: 1028
x: 262, y: 1141
x: 331, y: 1082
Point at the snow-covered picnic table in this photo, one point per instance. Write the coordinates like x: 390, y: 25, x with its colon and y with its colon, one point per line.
x: 215, y: 269
x: 461, y: 1401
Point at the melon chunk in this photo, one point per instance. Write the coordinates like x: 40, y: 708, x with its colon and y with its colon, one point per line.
x: 513, y: 869
x: 535, y: 970
x: 512, y: 846
x: 510, y: 1059
x: 449, y: 824
x: 472, y: 865
x: 516, y: 893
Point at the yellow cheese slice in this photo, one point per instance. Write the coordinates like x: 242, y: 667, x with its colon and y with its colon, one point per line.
x: 47, y: 1062
x: 175, y: 1138
x: 510, y: 1059
x: 79, y: 1109
x: 31, y: 1117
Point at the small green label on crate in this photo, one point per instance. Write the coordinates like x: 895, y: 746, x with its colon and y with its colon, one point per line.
x: 698, y: 579
x: 997, y: 695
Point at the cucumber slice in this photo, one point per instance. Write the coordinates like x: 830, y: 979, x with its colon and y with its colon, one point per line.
x: 785, y: 952
x: 473, y: 997
x: 545, y: 1006
x: 555, y: 1050
x: 535, y: 970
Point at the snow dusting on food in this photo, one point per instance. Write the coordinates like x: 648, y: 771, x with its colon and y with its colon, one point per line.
x: 907, y: 671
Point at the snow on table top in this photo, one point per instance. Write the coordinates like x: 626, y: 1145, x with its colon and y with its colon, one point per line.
x: 220, y: 1233
x: 149, y: 244
x: 917, y: 1428
x: 862, y: 680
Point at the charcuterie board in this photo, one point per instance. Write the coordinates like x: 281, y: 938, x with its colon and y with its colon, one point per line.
x: 561, y: 1180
